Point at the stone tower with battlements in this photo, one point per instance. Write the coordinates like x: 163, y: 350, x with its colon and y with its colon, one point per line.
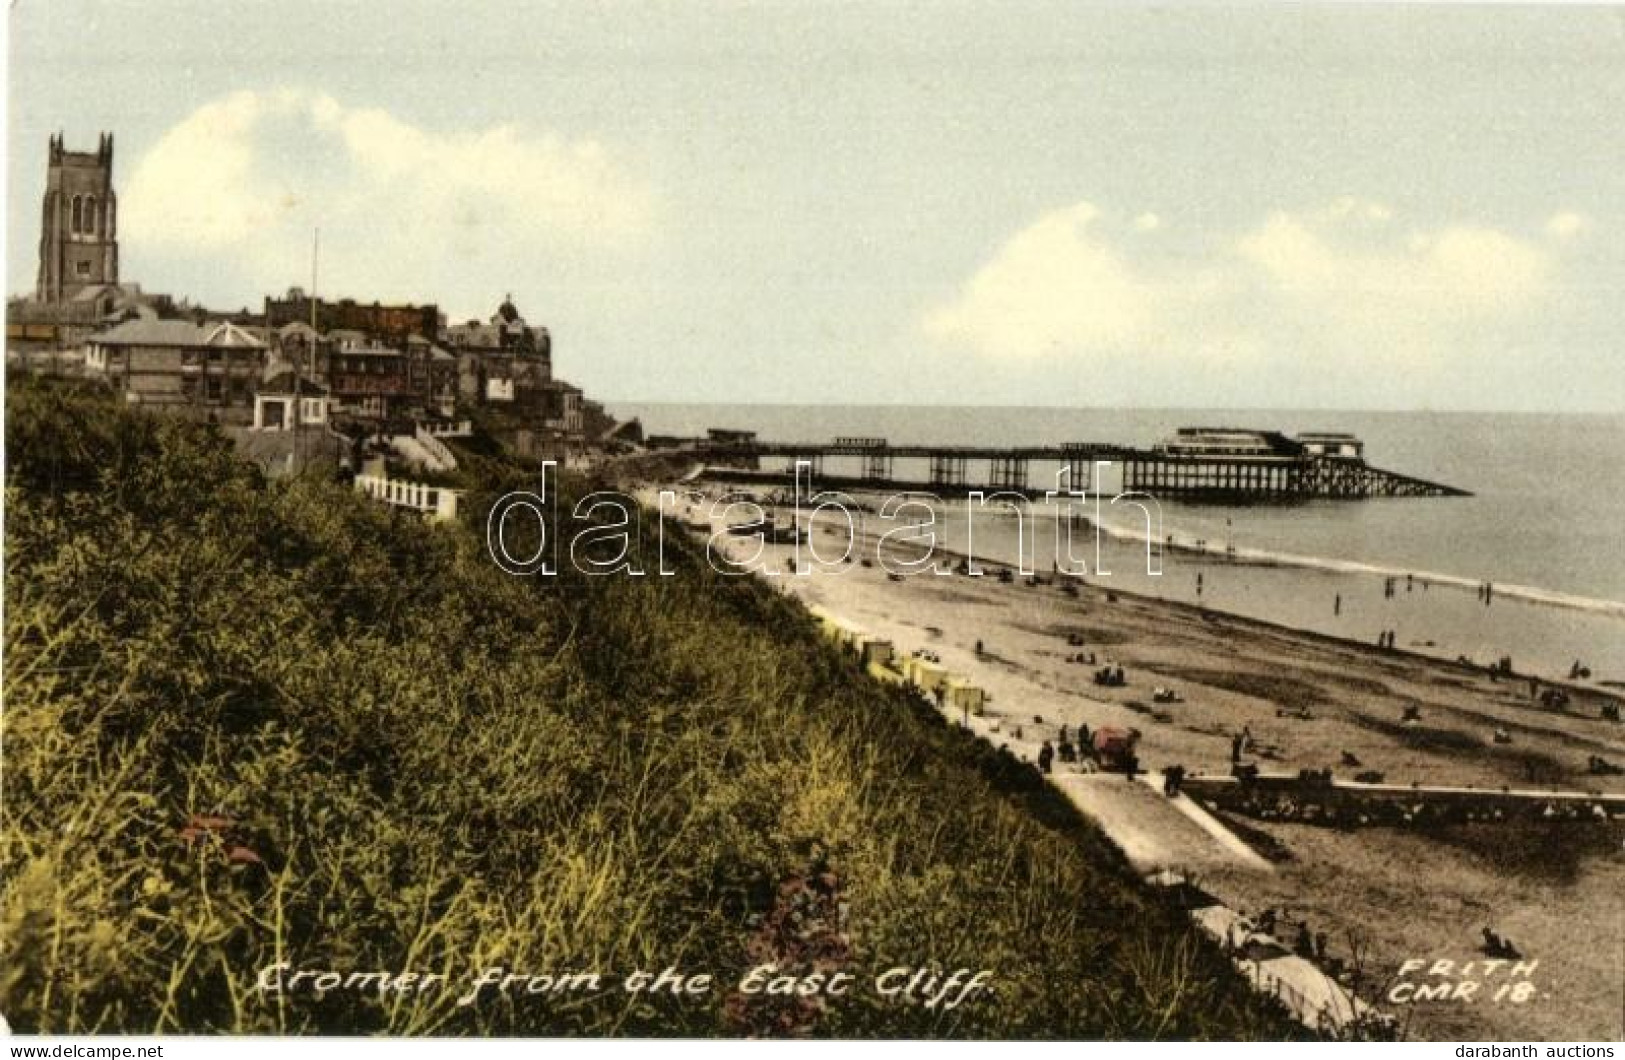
x: 78, y: 245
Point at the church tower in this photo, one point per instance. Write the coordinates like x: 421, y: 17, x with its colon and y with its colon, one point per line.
x: 78, y: 245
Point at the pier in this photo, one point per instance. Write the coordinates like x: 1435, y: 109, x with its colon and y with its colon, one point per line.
x: 1225, y: 464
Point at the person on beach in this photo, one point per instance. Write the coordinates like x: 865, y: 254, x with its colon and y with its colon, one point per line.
x: 1303, y: 945
x: 1046, y: 756
x: 1337, y: 604
x: 1235, y: 748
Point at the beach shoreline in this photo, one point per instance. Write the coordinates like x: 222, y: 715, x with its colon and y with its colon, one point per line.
x: 1307, y: 699
x: 1555, y: 637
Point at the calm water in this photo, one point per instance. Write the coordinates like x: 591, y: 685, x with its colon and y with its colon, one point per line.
x: 1546, y: 523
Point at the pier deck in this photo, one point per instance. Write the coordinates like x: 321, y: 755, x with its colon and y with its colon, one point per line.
x: 1289, y: 471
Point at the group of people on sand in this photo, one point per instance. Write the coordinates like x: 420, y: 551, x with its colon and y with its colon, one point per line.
x: 1063, y: 748
x: 1111, y: 677
x: 1385, y: 639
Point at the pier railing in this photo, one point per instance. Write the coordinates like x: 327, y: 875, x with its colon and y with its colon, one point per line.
x: 1233, y: 476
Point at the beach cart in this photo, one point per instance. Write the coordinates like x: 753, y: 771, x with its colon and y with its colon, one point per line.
x: 1114, y: 748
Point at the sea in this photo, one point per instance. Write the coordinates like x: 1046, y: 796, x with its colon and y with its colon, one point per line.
x: 1544, y: 526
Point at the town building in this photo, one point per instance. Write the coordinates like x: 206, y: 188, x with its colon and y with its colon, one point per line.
x: 77, y: 290
x: 304, y: 360
x: 287, y: 400
x: 79, y: 230
x: 179, y: 364
x: 368, y: 378
x: 504, y: 361
x: 385, y: 323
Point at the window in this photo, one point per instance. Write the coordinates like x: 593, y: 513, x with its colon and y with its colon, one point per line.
x: 81, y: 268
x: 78, y: 215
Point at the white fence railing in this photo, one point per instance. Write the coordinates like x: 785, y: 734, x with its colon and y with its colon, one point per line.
x: 457, y: 429
x: 436, y: 502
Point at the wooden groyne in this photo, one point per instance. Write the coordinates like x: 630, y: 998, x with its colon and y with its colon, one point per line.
x: 1341, y: 803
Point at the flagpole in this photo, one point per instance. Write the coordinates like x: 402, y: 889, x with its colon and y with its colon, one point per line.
x: 310, y: 347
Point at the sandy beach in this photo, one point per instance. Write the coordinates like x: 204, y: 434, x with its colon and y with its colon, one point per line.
x: 1307, y: 700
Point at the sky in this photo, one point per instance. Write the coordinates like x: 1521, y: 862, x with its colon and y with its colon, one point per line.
x: 1015, y: 203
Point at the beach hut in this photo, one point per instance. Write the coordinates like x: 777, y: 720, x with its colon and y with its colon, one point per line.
x: 924, y: 674
x: 959, y: 694
x: 870, y: 649
x: 874, y: 651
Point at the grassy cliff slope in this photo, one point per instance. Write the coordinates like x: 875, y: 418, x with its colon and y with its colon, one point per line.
x: 250, y: 723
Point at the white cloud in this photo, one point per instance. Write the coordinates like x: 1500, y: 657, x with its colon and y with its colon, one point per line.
x: 1053, y: 288
x: 403, y: 209
x: 1566, y: 225
x: 1447, y: 272
x: 1344, y: 282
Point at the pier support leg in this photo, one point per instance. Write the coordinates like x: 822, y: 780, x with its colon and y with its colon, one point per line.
x: 1008, y: 473
x: 947, y: 470
x: 877, y: 467
x: 1080, y: 474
